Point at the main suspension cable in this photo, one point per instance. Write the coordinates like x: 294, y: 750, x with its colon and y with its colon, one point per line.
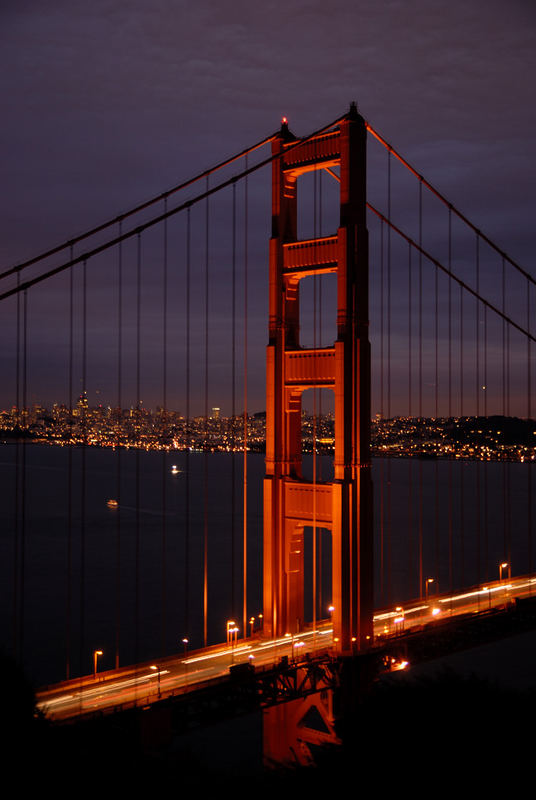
x: 169, y: 213
x: 449, y: 205
x: 131, y: 212
x: 462, y: 284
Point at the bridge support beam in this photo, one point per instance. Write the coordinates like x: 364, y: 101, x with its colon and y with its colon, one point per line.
x: 293, y: 731
x: 344, y: 367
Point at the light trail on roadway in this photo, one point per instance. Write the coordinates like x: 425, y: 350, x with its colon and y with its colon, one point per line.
x: 145, y: 684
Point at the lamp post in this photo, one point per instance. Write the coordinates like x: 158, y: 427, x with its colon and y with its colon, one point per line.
x: 96, y: 654
x: 427, y: 586
x: 501, y: 567
x: 185, y: 643
x: 233, y: 632
x: 399, y: 619
x: 231, y: 625
x: 251, y: 625
x: 155, y: 667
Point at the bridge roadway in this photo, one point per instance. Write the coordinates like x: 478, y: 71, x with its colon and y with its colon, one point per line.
x: 142, y: 684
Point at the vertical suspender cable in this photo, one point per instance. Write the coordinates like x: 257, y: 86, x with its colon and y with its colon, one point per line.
x: 421, y: 575
x: 163, y: 429
x: 508, y: 463
x: 16, y: 542
x: 436, y: 380
x: 477, y: 403
x: 233, y: 410
x: 389, y: 357
x: 508, y: 365
x: 485, y: 503
x: 450, y: 401
x: 205, y: 535
x: 436, y: 412
x: 503, y: 338
x: 315, y: 391
x: 529, y: 413
x: 245, y: 493
x: 84, y: 410
x: 450, y: 314
x: 505, y: 411
x: 320, y: 417
x: 477, y: 328
x: 23, y: 469
x: 462, y: 504
x: 383, y: 599
x: 138, y: 446
x: 68, y: 610
x: 410, y: 411
x: 119, y: 423
x: 186, y: 578
x: 389, y: 285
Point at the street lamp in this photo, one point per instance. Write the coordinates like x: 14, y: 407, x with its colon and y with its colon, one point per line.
x: 185, y: 642
x: 501, y: 567
x: 251, y: 624
x: 154, y: 667
x: 297, y: 645
x: 96, y: 654
x: 233, y: 633
x: 399, y: 619
x: 231, y: 626
x: 426, y: 587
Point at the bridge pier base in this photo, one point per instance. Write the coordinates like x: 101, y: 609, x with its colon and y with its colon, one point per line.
x: 292, y: 732
x: 296, y: 731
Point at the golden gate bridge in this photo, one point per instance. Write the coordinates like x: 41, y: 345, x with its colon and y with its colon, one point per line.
x: 138, y: 349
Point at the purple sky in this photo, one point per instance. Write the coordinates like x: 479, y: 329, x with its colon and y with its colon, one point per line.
x: 110, y: 102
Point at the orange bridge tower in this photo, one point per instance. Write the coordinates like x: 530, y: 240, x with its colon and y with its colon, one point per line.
x: 343, y: 506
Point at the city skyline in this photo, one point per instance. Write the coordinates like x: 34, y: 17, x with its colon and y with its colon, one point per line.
x: 494, y: 438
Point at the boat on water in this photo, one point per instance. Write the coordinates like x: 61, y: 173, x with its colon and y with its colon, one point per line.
x: 112, y: 504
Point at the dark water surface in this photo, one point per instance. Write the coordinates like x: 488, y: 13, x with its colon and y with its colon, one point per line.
x: 76, y: 573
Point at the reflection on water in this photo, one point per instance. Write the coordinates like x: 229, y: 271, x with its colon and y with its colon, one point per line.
x: 143, y: 560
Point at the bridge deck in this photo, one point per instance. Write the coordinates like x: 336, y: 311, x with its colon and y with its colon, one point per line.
x: 141, y: 685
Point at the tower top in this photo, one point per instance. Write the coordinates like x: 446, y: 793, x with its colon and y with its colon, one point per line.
x: 284, y: 132
x: 353, y: 112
